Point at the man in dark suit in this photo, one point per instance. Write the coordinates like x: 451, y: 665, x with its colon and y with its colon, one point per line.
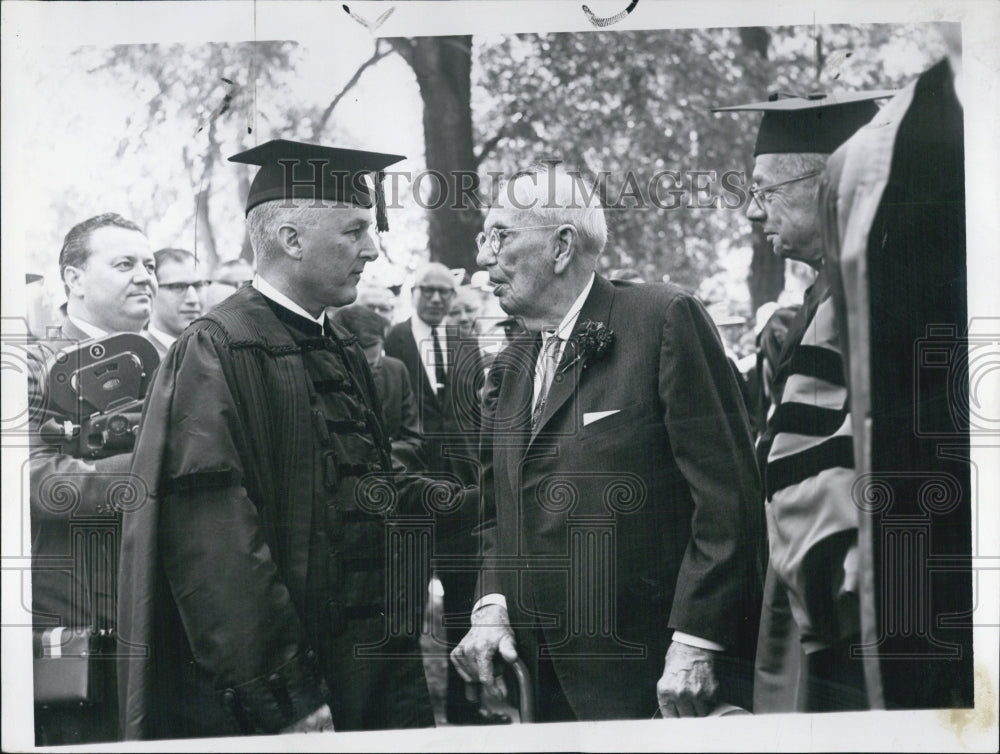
x: 108, y: 272
x: 622, y: 525
x: 447, y: 375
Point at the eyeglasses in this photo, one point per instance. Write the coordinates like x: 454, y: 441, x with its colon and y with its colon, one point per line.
x: 759, y: 193
x: 496, y: 235
x: 198, y: 285
x: 381, y: 308
x: 428, y: 291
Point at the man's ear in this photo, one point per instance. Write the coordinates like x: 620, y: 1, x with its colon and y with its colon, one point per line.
x: 290, y: 240
x: 73, y: 280
x: 565, y: 247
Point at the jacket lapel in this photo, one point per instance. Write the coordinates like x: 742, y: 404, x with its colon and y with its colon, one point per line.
x: 597, y: 307
x: 512, y: 429
x: 416, y: 364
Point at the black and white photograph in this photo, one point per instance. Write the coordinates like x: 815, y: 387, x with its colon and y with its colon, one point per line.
x: 500, y: 375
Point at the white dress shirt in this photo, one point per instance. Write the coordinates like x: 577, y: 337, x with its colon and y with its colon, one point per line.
x: 269, y: 291
x: 92, y: 330
x: 165, y: 339
x: 423, y: 336
x: 563, y: 331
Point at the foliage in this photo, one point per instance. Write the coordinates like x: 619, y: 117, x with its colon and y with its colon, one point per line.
x: 640, y: 102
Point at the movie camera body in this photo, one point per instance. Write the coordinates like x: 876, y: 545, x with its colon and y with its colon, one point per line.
x: 100, y: 383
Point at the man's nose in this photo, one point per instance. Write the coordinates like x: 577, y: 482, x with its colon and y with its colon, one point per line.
x: 142, y: 274
x: 369, y: 251
x: 755, y: 212
x: 484, y: 257
x: 192, y: 295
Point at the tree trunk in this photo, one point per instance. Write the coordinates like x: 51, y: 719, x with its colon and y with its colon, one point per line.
x: 767, y: 270
x: 443, y: 67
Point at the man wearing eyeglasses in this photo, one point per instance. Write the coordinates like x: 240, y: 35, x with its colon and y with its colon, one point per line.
x: 179, y: 300
x: 621, y: 501
x: 811, y: 613
x: 447, y: 374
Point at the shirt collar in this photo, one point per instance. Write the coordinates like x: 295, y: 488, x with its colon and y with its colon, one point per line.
x: 422, y: 331
x: 269, y: 291
x: 92, y: 330
x: 565, y: 328
x: 165, y: 338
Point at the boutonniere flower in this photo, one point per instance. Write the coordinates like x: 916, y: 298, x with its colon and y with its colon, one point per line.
x: 592, y: 340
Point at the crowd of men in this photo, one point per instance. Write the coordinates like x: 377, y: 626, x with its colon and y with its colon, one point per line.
x: 599, y: 494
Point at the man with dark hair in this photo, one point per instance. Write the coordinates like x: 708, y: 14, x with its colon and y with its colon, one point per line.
x: 108, y: 271
x: 810, y: 618
x: 178, y: 302
x: 266, y: 575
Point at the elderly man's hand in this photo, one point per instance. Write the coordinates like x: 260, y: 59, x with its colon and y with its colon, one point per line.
x: 687, y: 687
x: 490, y: 632
x: 316, y: 722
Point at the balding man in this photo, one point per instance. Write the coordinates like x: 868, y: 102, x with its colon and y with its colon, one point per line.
x: 621, y: 498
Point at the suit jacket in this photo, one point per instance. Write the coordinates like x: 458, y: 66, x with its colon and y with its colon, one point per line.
x: 605, y: 535
x: 399, y: 410
x: 449, y: 423
x: 69, y: 494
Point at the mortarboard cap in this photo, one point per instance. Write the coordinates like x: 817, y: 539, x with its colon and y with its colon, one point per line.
x: 815, y: 123
x: 295, y: 170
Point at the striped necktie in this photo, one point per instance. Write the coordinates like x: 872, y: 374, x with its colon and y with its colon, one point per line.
x: 548, y: 362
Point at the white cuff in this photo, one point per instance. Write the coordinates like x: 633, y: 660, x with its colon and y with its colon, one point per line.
x: 494, y: 598
x: 697, y: 641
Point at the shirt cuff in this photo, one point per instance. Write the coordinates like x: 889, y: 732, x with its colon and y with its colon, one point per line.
x: 695, y: 641
x: 494, y: 598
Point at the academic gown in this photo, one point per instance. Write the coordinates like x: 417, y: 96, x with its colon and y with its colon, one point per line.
x: 270, y: 569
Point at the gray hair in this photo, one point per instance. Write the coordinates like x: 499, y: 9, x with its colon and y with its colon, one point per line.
x: 798, y: 163
x: 562, y: 196
x: 264, y: 219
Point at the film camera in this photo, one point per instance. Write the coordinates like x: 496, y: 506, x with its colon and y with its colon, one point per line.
x: 102, y: 384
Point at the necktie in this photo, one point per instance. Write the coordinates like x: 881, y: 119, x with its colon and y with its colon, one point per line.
x: 548, y: 362
x: 439, y: 373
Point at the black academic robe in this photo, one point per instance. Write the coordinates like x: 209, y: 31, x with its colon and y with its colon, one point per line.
x: 895, y: 231
x: 270, y: 569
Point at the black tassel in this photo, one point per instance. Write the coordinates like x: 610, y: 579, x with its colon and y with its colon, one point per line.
x: 381, y: 214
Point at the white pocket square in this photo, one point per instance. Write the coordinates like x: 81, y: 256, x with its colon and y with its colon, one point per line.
x: 593, y: 416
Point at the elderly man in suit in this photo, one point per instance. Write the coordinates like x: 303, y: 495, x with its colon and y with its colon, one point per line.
x: 622, y: 525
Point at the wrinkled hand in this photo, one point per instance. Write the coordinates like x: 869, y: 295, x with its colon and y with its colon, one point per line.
x: 490, y: 632
x: 317, y: 722
x: 687, y: 687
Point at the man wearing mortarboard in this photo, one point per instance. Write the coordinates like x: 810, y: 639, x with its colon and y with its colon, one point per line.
x: 257, y: 571
x: 810, y: 616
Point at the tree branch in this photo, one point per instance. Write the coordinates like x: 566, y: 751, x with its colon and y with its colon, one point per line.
x: 325, y: 117
x: 489, y: 145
